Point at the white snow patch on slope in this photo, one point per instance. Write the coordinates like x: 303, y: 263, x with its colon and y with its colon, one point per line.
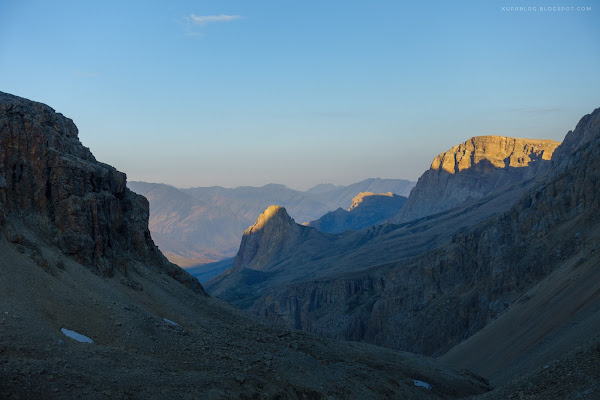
x: 76, y: 336
x: 422, y: 384
x: 171, y: 322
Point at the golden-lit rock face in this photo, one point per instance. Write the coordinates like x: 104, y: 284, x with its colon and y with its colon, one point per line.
x: 359, y: 198
x: 500, y: 151
x: 474, y: 169
x: 274, y: 233
x: 263, y: 218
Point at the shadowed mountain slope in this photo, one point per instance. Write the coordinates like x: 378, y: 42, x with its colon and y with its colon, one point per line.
x: 515, y: 266
x: 53, y: 187
x: 319, y: 255
x: 367, y: 209
x: 205, y: 272
x: 76, y: 254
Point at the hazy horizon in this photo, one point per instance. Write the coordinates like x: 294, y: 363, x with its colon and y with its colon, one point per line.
x: 299, y: 188
x: 234, y: 93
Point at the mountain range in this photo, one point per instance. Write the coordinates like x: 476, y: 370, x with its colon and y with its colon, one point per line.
x: 205, y: 224
x: 490, y: 265
x: 91, y: 309
x: 501, y: 284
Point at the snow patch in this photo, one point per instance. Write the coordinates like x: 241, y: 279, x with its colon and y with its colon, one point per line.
x: 422, y: 384
x: 171, y: 322
x: 76, y: 336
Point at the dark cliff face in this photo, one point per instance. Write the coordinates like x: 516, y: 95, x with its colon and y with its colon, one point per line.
x: 53, y: 185
x: 431, y: 302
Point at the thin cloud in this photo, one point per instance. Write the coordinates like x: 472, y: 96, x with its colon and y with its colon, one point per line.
x: 203, y: 19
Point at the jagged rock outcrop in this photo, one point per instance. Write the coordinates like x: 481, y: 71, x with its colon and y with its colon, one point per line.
x: 273, y: 235
x: 51, y: 184
x: 474, y: 169
x: 433, y: 301
x: 367, y: 209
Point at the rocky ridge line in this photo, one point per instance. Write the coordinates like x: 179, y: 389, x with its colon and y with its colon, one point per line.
x: 474, y: 169
x: 52, y: 186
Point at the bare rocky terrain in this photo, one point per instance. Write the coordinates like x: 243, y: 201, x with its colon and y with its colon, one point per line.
x: 504, y: 284
x: 215, y: 351
x: 76, y: 254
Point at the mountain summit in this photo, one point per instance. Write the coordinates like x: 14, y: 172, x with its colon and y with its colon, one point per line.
x: 274, y: 233
x: 474, y: 169
x: 367, y: 209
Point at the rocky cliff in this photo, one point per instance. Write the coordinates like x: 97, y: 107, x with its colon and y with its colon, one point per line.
x: 274, y: 237
x: 274, y: 233
x: 474, y: 169
x: 431, y: 302
x: 367, y: 209
x: 51, y: 185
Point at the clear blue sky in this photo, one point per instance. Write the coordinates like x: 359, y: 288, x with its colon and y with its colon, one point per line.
x: 198, y: 93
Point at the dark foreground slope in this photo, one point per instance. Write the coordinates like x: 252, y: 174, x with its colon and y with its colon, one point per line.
x: 215, y: 351
x: 75, y: 253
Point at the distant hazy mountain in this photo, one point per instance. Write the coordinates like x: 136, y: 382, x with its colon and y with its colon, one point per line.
x: 474, y: 169
x: 367, y: 209
x: 323, y: 188
x: 200, y: 225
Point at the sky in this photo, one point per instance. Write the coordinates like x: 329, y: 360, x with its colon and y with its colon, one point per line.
x: 232, y: 93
